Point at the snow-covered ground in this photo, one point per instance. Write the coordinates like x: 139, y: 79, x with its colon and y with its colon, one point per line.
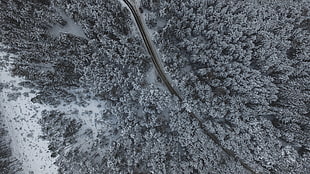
x: 21, y: 119
x: 70, y: 27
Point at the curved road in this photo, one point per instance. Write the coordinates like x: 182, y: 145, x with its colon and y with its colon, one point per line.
x: 150, y: 47
x: 155, y: 59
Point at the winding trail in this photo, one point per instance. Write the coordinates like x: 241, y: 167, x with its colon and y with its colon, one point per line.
x: 156, y: 61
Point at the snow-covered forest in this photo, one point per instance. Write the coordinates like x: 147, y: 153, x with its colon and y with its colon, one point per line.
x: 80, y: 94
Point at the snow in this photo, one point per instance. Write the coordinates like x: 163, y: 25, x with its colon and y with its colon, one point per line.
x: 70, y: 28
x: 21, y: 120
x: 151, y: 76
x: 161, y: 23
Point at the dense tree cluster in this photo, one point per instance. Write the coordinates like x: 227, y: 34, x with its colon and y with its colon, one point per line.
x: 59, y: 129
x: 246, y: 66
x: 241, y: 66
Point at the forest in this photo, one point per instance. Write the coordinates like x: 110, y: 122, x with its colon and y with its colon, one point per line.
x: 241, y: 66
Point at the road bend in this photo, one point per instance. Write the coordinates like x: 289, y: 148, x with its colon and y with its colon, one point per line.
x: 155, y: 59
x: 150, y: 47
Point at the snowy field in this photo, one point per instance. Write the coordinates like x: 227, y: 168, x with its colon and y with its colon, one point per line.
x: 21, y: 117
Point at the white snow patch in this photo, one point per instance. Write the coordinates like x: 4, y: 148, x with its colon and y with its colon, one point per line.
x: 151, y: 76
x: 21, y: 119
x: 187, y: 69
x: 161, y: 23
x: 70, y: 28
